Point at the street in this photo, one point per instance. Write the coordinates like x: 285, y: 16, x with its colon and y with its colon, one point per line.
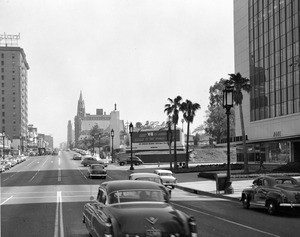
x: 44, y: 196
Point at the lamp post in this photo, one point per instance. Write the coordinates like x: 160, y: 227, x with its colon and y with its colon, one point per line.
x: 169, y: 138
x: 228, y: 104
x: 131, y: 131
x: 3, y: 137
x: 112, y: 134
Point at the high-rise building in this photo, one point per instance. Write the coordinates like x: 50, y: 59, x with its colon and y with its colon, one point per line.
x: 14, y: 101
x: 266, y: 39
x: 70, y: 133
x: 80, y: 115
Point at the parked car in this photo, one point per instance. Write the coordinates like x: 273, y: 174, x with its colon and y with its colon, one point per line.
x: 13, y: 161
x: 135, y: 161
x: 77, y: 156
x: 272, y: 193
x: 167, y: 177
x: 89, y: 160
x: 149, y: 177
x: 97, y: 170
x: 135, y: 208
x: 6, y: 164
x: 2, y: 168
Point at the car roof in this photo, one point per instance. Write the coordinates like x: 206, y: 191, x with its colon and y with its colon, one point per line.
x: 136, y: 175
x: 112, y: 186
x: 163, y: 171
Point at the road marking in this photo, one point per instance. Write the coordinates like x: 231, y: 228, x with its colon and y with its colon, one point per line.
x: 59, y: 225
x: 82, y: 173
x: 223, y: 219
x: 34, y: 176
x: 59, y: 175
x: 30, y: 163
x: 58, y: 161
x: 6, y: 200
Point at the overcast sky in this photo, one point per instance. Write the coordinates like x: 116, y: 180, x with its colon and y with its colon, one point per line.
x: 135, y: 53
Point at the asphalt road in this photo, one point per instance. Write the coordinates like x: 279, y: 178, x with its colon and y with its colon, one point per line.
x: 44, y: 196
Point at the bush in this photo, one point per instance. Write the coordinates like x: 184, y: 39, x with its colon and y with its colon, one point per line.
x: 289, y: 168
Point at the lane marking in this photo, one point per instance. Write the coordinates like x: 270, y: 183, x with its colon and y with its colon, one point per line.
x: 6, y: 200
x: 34, y: 176
x: 231, y: 222
x: 82, y: 173
x: 30, y: 163
x: 59, y: 225
x: 59, y: 175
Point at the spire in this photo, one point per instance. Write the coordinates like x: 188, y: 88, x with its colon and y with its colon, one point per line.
x: 81, y: 106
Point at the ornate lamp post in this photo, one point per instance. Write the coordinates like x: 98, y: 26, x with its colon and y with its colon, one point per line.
x: 131, y: 131
x: 228, y: 104
x: 112, y: 134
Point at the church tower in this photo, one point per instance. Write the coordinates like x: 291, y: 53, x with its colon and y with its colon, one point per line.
x: 78, y: 117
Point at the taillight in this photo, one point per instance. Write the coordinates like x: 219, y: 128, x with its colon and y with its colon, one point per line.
x: 108, y: 228
x: 193, y: 227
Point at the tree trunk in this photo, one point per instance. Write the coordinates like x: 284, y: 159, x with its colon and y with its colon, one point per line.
x: 175, y: 152
x: 246, y: 167
x: 187, y: 146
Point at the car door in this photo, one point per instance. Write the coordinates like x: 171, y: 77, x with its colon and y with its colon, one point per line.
x: 261, y: 191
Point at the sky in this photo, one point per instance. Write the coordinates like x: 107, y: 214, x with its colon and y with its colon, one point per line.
x: 135, y: 53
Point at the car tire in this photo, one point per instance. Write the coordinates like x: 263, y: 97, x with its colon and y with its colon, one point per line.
x: 272, y: 207
x: 121, y: 163
x: 246, y: 202
x: 84, y: 165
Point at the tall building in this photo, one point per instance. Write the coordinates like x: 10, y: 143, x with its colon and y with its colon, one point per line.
x: 80, y: 115
x: 266, y: 39
x: 70, y: 133
x: 14, y: 97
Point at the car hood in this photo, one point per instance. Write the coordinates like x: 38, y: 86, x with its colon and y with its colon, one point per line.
x: 136, y: 218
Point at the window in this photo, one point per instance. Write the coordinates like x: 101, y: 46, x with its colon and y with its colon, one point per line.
x: 2, y: 55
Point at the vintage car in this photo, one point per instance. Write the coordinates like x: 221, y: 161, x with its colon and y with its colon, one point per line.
x: 77, y: 156
x: 167, y: 177
x: 6, y: 164
x: 149, y: 177
x: 135, y: 161
x: 97, y: 170
x: 89, y: 160
x: 272, y: 193
x: 135, y: 208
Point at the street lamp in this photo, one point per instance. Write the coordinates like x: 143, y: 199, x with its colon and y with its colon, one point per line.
x: 228, y: 104
x: 131, y: 131
x: 112, y: 133
x: 169, y: 138
x: 3, y: 137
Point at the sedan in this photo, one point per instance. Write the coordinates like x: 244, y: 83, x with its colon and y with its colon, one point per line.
x: 97, y: 170
x: 135, y: 161
x: 135, y: 208
x: 272, y: 193
x: 77, y: 156
x: 167, y: 177
x: 89, y: 160
x: 6, y: 164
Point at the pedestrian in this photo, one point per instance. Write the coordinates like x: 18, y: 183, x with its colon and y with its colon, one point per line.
x: 261, y: 163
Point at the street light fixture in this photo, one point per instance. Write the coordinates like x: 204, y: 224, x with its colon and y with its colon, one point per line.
x: 228, y: 104
x: 112, y: 133
x: 131, y: 131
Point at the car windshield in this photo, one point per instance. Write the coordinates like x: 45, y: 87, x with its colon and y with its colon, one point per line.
x: 97, y: 167
x: 140, y: 195
x: 153, y: 179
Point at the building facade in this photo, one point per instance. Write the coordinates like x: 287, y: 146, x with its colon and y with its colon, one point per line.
x: 69, y: 135
x: 14, y: 95
x: 266, y: 40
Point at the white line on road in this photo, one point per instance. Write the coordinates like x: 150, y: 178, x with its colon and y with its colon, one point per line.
x: 6, y: 200
x: 82, y: 173
x: 223, y: 219
x: 59, y: 175
x: 59, y: 225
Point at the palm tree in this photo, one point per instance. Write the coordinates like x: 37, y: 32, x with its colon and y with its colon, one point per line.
x: 240, y: 84
x: 173, y: 109
x: 189, y: 110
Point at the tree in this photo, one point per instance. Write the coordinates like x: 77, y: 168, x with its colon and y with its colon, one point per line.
x: 173, y: 109
x: 188, y: 108
x: 240, y: 84
x: 215, y: 124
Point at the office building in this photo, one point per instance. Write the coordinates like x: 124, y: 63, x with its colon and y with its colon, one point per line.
x: 266, y: 40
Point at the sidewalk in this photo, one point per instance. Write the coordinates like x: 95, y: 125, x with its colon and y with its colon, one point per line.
x: 208, y: 187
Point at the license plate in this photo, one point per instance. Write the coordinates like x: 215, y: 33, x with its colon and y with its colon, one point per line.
x: 153, y: 233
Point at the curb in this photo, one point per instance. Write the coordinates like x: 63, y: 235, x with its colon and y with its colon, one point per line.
x: 215, y: 195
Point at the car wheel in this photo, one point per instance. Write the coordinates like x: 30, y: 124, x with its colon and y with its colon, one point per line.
x: 246, y: 202
x: 272, y: 207
x: 84, y: 165
x: 137, y: 163
x: 121, y: 163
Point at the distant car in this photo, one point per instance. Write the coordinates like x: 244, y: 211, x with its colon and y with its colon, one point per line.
x: 135, y: 161
x: 6, y: 164
x: 2, y: 168
x: 272, y: 193
x: 149, y: 177
x: 167, y: 177
x: 13, y: 161
x: 89, y: 160
x: 135, y: 208
x: 97, y: 170
x: 77, y: 156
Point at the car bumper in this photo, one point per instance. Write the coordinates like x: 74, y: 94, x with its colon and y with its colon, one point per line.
x: 291, y: 205
x: 98, y: 175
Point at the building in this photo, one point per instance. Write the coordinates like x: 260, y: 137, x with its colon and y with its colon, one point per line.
x: 70, y: 134
x: 266, y: 40
x: 14, y: 95
x: 84, y: 122
x: 49, y: 141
